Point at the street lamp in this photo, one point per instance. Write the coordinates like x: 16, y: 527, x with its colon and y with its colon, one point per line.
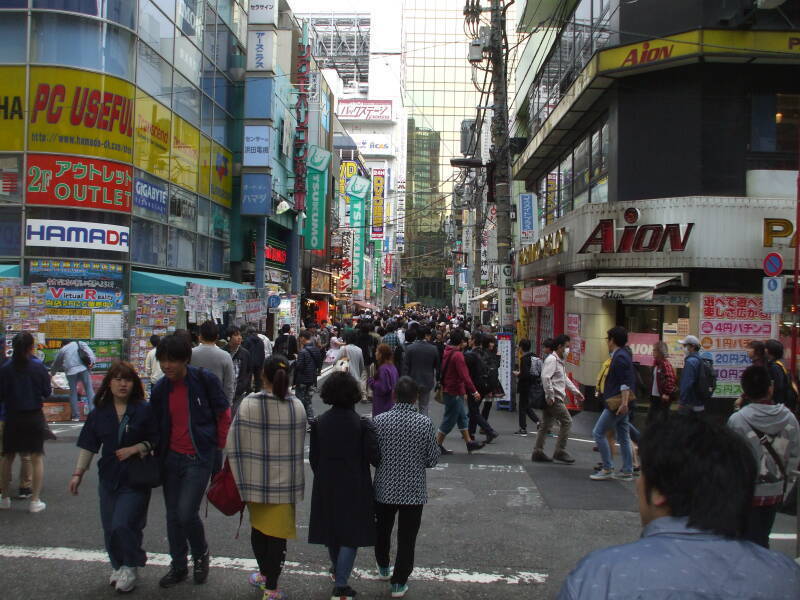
x: 466, y: 163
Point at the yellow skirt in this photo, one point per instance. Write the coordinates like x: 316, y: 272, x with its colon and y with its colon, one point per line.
x: 276, y: 520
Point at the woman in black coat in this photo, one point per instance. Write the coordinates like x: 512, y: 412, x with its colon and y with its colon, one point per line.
x: 343, y: 445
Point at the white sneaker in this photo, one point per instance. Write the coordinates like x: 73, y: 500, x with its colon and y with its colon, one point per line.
x: 37, y: 506
x: 127, y: 579
x: 5, y: 502
x: 114, y: 577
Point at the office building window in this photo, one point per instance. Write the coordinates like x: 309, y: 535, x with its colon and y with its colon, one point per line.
x: 182, y: 208
x: 774, y: 122
x: 219, y: 258
x: 156, y: 29
x: 10, y: 236
x: 202, y: 252
x: 13, y: 35
x: 188, y: 58
x: 186, y: 99
x: 119, y: 11
x: 148, y: 242
x: 154, y: 75
x: 189, y: 19
x: 581, y: 179
x: 180, y: 249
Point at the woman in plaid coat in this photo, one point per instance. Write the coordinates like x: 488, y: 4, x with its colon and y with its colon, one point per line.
x: 265, y: 450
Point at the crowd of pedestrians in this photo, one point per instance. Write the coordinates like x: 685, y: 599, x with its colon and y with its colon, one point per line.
x: 243, y: 405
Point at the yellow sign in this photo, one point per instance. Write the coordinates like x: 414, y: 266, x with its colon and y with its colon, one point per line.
x: 221, y: 175
x: 77, y: 112
x: 12, y: 108
x: 152, y: 142
x: 203, y: 186
x: 650, y: 52
x: 548, y: 245
x: 185, y: 157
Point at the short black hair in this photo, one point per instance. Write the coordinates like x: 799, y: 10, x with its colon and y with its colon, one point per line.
x: 424, y: 331
x: 561, y: 340
x: 209, y: 331
x: 619, y: 335
x: 174, y: 347
x: 456, y: 337
x: 341, y: 389
x: 349, y: 337
x: 406, y: 390
x: 411, y: 334
x: 487, y: 340
x: 549, y: 343
x: 774, y: 349
x: 305, y: 334
x: 756, y: 382
x: 525, y: 344
x: 705, y: 471
x: 286, y: 328
x: 234, y: 330
x: 154, y: 339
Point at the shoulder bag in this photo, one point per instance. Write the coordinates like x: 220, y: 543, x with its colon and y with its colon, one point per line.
x: 144, y: 472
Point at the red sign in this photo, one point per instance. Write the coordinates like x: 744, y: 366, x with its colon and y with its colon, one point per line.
x: 636, y: 238
x: 642, y: 346
x: 274, y: 254
x: 78, y: 182
x: 773, y: 264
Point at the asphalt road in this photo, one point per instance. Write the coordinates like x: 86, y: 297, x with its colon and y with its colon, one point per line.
x: 497, y: 526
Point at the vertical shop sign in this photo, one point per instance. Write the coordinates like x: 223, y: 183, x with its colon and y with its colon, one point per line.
x: 256, y: 194
x: 727, y: 324
x: 575, y: 341
x: 317, y: 186
x: 527, y: 220
x: 358, y: 189
x: 301, y: 118
x: 378, y: 185
x: 256, y: 146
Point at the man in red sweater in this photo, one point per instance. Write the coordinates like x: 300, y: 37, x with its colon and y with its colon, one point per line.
x: 194, y: 417
x: 456, y: 383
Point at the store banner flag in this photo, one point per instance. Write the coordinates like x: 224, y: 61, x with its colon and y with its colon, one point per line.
x: 527, y: 220
x: 317, y: 188
x: 358, y: 189
x: 378, y: 186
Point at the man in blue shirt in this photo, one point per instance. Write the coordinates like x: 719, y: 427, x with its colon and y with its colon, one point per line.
x: 689, y: 401
x: 694, y: 494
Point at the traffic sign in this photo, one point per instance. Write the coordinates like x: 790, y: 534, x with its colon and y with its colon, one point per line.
x: 773, y: 264
x: 273, y: 301
x: 772, y: 295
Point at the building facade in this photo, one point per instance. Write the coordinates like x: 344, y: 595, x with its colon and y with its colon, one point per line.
x: 658, y: 172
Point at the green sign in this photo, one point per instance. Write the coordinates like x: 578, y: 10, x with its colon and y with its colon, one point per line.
x: 314, y: 230
x: 377, y: 271
x: 358, y: 190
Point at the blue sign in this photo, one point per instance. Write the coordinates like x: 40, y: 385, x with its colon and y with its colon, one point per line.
x: 527, y: 221
x: 274, y: 301
x: 150, y: 196
x: 256, y: 194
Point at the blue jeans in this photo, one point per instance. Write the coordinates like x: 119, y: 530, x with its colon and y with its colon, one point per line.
x: 185, y: 481
x: 86, y: 377
x: 123, y: 513
x: 455, y: 413
x: 606, y: 421
x: 342, y: 559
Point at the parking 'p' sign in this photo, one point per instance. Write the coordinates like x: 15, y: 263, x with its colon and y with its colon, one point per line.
x: 773, y: 264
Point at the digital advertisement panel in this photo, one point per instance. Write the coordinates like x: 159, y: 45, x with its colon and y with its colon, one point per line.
x: 152, y: 142
x: 79, y: 284
x: 378, y: 186
x: 78, y: 182
x: 221, y: 175
x: 78, y: 112
x: 12, y: 108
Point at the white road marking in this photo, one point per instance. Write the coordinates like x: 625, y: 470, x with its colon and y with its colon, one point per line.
x: 438, y: 575
x: 497, y: 468
x: 783, y: 536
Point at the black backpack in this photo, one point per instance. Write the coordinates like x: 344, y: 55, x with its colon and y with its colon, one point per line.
x: 706, y: 381
x: 84, y: 356
x: 483, y: 375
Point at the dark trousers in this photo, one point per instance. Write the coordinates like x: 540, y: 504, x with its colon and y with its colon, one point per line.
x: 305, y: 394
x: 658, y: 411
x: 185, y: 481
x: 270, y: 552
x: 759, y: 524
x: 123, y: 513
x: 524, y: 409
x: 407, y: 529
x: 485, y: 410
x: 475, y: 417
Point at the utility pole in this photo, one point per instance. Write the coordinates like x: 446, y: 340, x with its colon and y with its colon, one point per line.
x: 502, y: 160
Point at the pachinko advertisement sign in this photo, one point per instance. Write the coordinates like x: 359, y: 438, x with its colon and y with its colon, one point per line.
x: 78, y: 182
x: 77, y: 112
x: 728, y: 322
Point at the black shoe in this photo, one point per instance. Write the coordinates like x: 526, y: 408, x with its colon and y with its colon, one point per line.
x: 522, y: 431
x: 472, y: 446
x: 483, y: 431
x: 444, y: 451
x: 201, y: 568
x: 173, y: 577
x: 540, y: 456
x: 343, y: 593
x: 491, y: 436
x: 24, y: 493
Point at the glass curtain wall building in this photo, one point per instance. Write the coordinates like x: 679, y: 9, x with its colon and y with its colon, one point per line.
x: 440, y: 94
x: 119, y: 127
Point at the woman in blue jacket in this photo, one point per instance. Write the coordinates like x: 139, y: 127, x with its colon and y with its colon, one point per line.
x: 123, y: 426
x: 24, y: 385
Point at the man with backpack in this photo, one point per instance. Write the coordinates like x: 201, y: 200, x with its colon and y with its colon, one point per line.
x: 771, y: 431
x: 697, y: 380
x: 478, y: 366
x: 529, y: 386
x: 76, y: 359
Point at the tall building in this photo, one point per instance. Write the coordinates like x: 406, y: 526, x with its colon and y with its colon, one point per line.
x: 441, y: 93
x: 658, y: 172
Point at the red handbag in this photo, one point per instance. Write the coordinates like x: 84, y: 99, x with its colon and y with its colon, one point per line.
x: 224, y: 494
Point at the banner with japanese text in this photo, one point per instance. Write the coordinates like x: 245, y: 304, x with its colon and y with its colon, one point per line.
x: 316, y: 191
x: 378, y: 189
x: 358, y: 190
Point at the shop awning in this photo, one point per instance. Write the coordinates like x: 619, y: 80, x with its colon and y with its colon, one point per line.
x: 144, y: 282
x: 362, y: 304
x: 7, y: 271
x: 483, y: 295
x: 622, y: 288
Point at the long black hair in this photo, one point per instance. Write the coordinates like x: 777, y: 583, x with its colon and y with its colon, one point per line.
x: 276, y: 372
x: 22, y: 344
